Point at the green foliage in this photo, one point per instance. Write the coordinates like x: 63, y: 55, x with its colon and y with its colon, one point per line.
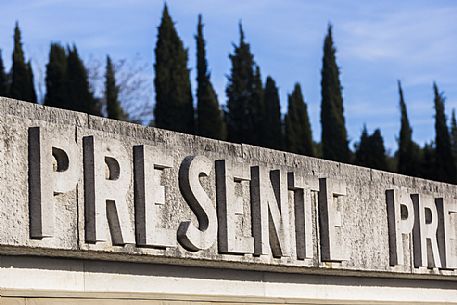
x: 407, y: 154
x: 318, y: 149
x: 370, y: 151
x: 67, y: 81
x: 173, y: 109
x: 427, y: 161
x: 444, y: 165
x: 391, y: 162
x: 3, y: 78
x: 210, y: 122
x: 245, y: 96
x: 298, y: 129
x: 22, y: 86
x: 56, y: 71
x: 113, y: 106
x: 454, y: 135
x: 334, y: 135
x: 31, y: 83
x: 272, y: 118
x: 80, y: 97
x: 257, y: 110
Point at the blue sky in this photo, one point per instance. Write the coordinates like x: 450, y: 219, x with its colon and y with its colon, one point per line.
x: 377, y: 43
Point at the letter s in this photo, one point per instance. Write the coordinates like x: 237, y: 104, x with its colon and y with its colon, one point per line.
x: 202, y: 237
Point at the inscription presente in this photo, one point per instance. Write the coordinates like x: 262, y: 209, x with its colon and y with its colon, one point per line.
x: 257, y: 210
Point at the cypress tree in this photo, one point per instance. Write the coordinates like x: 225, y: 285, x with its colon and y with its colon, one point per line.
x: 379, y: 151
x: 408, y: 151
x: 362, y: 149
x: 454, y: 135
x: 256, y: 109
x: 22, y: 87
x: 113, y: 106
x: 56, y: 72
x: 238, y: 90
x: 370, y: 151
x: 445, y: 168
x: 298, y: 129
x: 244, y: 92
x: 3, y: 78
x: 209, y: 116
x: 272, y: 116
x: 31, y: 83
x: 173, y: 109
x: 80, y: 98
x: 334, y: 135
x: 427, y: 162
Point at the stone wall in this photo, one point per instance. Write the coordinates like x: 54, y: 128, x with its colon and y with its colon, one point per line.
x: 146, y: 202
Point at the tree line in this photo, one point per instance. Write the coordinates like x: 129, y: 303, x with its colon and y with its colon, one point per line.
x: 252, y: 112
x: 67, y: 81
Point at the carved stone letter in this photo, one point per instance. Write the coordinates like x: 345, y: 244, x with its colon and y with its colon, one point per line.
x: 330, y: 219
x: 400, y: 219
x: 149, y: 164
x: 425, y: 242
x: 230, y: 208
x: 54, y: 168
x: 447, y: 232
x: 270, y: 213
x: 303, y: 189
x: 107, y: 178
x: 202, y: 237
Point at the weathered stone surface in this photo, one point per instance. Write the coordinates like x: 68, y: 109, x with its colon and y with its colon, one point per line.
x: 362, y: 231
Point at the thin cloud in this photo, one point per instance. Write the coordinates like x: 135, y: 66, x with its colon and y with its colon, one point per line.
x: 420, y: 35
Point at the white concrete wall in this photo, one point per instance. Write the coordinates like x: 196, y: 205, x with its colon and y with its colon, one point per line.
x: 35, y: 277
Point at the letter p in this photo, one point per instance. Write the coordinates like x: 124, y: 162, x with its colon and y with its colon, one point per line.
x: 53, y: 170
